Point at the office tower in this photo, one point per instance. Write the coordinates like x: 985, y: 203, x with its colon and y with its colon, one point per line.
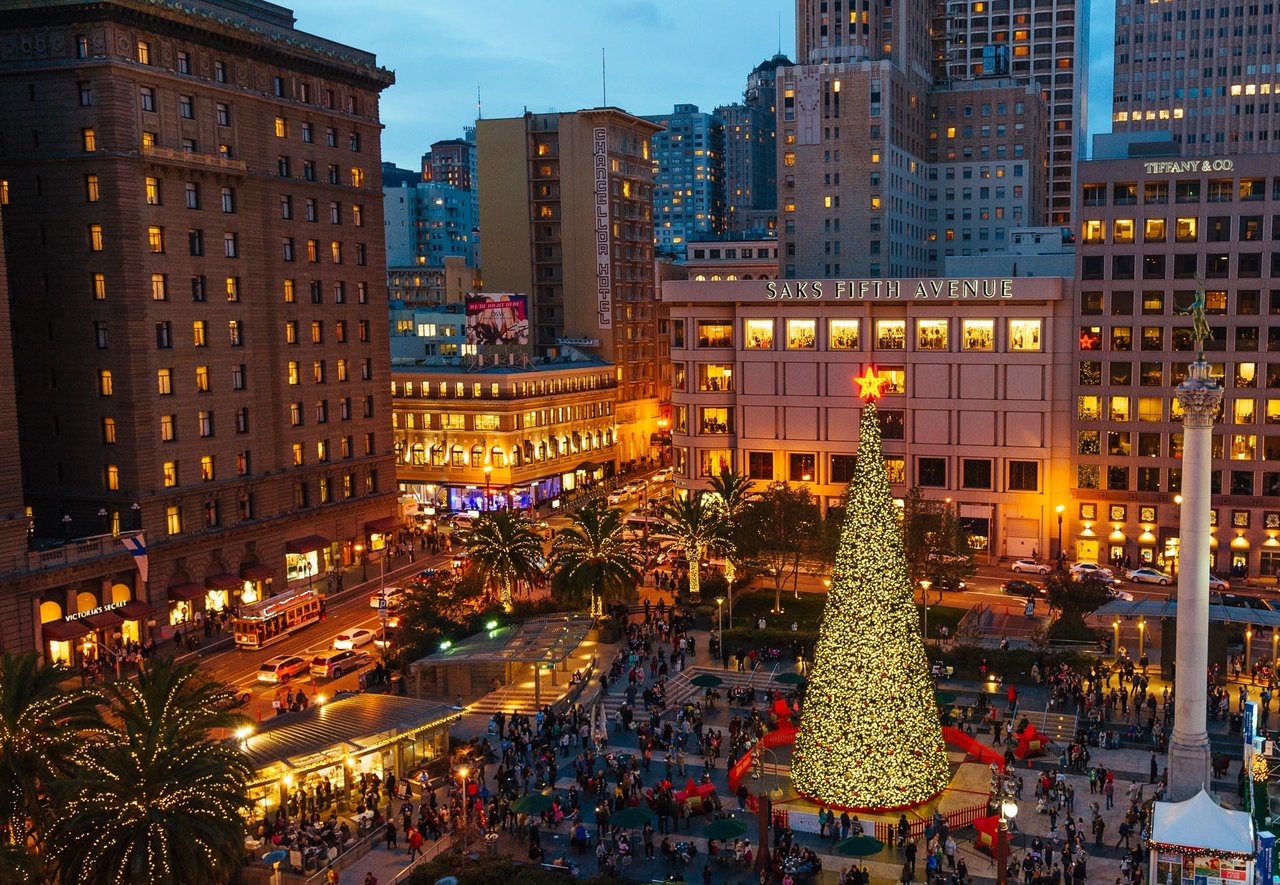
x: 688, y: 177
x: 899, y: 147
x: 1041, y: 40
x: 1205, y: 73
x: 427, y: 223
x: 566, y: 211
x: 199, y: 309
x: 750, y: 152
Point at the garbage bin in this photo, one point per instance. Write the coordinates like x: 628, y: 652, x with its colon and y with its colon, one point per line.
x: 397, y: 683
x: 1236, y: 721
x: 491, y: 844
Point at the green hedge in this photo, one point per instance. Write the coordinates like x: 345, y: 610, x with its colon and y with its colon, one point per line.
x: 1015, y: 663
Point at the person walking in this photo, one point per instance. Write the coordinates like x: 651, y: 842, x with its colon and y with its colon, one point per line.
x: 391, y: 834
x: 415, y: 842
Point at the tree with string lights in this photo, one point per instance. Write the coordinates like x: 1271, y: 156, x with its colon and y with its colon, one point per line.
x: 870, y: 736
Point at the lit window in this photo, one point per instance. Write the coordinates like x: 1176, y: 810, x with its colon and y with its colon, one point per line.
x: 95, y: 237
x: 801, y: 334
x: 842, y: 335
x: 758, y: 334
x: 155, y: 239
x: 282, y: 130
x: 170, y: 471
x: 88, y: 140
x: 105, y: 387
x: 91, y: 190
x: 931, y: 335
x: 111, y: 476
x: 173, y: 519
x: 978, y: 335
x: 1024, y: 335
x: 891, y: 334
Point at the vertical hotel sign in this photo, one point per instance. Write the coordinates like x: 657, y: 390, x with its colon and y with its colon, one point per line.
x: 604, y: 268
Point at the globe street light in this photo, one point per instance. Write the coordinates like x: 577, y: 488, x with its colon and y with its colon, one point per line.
x: 925, y: 584
x: 720, y: 617
x: 1008, y: 811
x: 364, y: 575
x: 1060, y: 508
x: 488, y: 475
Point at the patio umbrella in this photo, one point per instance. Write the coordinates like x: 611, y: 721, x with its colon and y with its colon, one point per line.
x: 860, y: 846
x: 632, y: 818
x: 789, y: 678
x: 534, y: 803
x: 725, y: 828
x: 706, y: 680
x: 274, y: 857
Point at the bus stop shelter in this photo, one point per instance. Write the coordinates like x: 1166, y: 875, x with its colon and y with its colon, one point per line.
x: 473, y: 666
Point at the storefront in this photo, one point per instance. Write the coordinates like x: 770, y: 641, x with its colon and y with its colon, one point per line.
x: 184, y: 601
x: 256, y: 582
x: 220, y: 592
x: 307, y: 558
x: 87, y: 633
x: 382, y: 531
x: 377, y: 734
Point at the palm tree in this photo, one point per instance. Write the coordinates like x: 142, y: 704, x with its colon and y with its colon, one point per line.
x: 161, y: 801
x: 43, y: 730
x: 505, y: 550
x: 698, y: 526
x: 592, y: 562
x: 732, y: 493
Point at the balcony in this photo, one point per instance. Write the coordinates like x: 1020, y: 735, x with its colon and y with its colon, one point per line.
x: 74, y: 552
x: 191, y: 158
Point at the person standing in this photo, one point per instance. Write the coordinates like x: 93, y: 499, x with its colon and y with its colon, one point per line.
x: 391, y: 834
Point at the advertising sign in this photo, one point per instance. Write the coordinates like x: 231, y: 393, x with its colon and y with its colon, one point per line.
x: 497, y: 318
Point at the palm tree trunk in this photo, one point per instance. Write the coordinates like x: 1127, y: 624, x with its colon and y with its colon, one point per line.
x: 505, y: 594
x: 695, y: 576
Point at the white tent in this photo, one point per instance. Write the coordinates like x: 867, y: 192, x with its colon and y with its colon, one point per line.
x: 1201, y: 823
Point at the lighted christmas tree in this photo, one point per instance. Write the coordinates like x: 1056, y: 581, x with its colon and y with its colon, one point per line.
x: 870, y: 737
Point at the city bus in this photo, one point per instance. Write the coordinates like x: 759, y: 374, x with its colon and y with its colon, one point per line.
x: 264, y: 622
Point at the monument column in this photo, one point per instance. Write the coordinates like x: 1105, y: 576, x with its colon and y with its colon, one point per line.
x: 1200, y: 396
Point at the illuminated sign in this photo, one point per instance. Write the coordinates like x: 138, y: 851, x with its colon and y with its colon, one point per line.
x: 1175, y: 167
x: 75, y: 616
x: 604, y: 264
x: 870, y: 290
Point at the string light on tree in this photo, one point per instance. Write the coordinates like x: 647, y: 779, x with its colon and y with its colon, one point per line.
x: 870, y: 737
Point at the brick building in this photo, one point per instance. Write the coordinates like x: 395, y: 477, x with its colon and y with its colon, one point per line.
x: 195, y: 227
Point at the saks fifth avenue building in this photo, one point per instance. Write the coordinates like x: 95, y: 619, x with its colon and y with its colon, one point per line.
x: 977, y: 410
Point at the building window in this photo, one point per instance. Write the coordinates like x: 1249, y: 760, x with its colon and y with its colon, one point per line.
x: 202, y: 379
x: 168, y: 428
x: 975, y: 473
x: 1024, y: 335
x: 173, y: 519
x: 105, y: 387
x: 1024, y: 476
x: 88, y: 140
x: 109, y: 431
x: 802, y: 334
x: 842, y: 335
x: 230, y: 245
x: 842, y: 468
x: 760, y: 465
x: 891, y: 334
x: 931, y: 334
x: 931, y: 472
x: 92, y: 193
x: 155, y: 239
x: 95, y: 238
x: 978, y: 335
x: 170, y: 473
x: 147, y: 99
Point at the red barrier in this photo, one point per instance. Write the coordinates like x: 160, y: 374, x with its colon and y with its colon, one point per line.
x: 971, y: 745
x: 739, y: 768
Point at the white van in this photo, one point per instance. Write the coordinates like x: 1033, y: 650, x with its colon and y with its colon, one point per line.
x: 637, y: 525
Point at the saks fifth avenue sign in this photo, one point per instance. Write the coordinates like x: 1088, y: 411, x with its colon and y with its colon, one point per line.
x: 870, y: 290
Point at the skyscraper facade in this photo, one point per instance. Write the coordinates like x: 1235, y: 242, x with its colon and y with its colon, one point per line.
x: 195, y: 223
x: 569, y: 198
x: 1205, y: 73
x: 688, y: 177
x: 750, y: 152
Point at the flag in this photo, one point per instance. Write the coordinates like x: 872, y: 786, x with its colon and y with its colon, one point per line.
x: 137, y: 545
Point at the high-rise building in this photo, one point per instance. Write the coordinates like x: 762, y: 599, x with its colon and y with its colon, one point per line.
x: 567, y: 202
x: 13, y: 518
x: 1203, y: 72
x: 427, y: 223
x: 750, y: 152
x: 688, y: 177
x: 1040, y: 40
x: 900, y: 146
x: 199, y: 312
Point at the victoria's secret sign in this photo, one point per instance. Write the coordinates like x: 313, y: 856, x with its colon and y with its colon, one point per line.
x: 864, y: 290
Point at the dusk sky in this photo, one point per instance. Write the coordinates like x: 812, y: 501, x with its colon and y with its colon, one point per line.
x: 546, y: 56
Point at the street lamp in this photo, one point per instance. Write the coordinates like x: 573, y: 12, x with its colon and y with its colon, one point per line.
x: 1008, y: 811
x: 729, y: 574
x: 466, y: 811
x: 488, y: 475
x: 1060, y: 508
x: 720, y: 618
x: 925, y: 584
x: 102, y: 515
x: 137, y: 514
x: 364, y: 573
x: 66, y: 527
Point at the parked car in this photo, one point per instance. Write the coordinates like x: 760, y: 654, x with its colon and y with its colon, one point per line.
x: 281, y: 668
x: 1029, y: 565
x: 1018, y: 587
x: 462, y: 521
x: 1231, y: 600
x: 333, y: 664
x: 1080, y: 569
x: 1216, y: 583
x: 1122, y: 595
x: 353, y: 638
x: 395, y: 595
x: 1147, y: 575
x: 953, y: 584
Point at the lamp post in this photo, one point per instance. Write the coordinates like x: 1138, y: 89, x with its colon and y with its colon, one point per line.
x: 488, y: 476
x: 720, y: 617
x: 1008, y: 811
x: 137, y: 514
x: 463, y: 772
x: 66, y: 527
x: 729, y: 574
x: 1060, y: 508
x: 102, y: 515
x: 925, y: 584
x: 364, y: 573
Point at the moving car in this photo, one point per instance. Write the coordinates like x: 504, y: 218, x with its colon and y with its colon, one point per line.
x: 1147, y: 575
x: 616, y: 497
x: 281, y: 668
x: 1022, y: 588
x: 333, y: 664
x: 953, y: 584
x: 1216, y: 583
x: 1029, y: 565
x: 353, y: 638
x: 1122, y: 595
x: 461, y: 520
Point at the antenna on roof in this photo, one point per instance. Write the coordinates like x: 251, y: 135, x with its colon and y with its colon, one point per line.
x: 604, y: 82
x: 779, y: 32
x: 479, y: 107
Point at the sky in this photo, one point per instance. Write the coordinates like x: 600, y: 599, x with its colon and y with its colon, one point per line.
x: 546, y: 55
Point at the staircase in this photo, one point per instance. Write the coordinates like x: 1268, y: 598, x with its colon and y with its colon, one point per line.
x: 680, y: 688
x: 1058, y: 726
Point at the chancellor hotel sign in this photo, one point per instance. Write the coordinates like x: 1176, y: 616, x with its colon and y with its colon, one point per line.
x: 872, y: 290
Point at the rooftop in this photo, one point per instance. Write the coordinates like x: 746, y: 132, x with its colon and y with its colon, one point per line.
x: 537, y: 641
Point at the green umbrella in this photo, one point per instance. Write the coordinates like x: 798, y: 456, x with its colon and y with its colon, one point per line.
x: 945, y: 697
x: 860, y: 846
x: 725, y: 828
x: 632, y: 818
x: 534, y: 803
x: 706, y: 680
x: 789, y: 678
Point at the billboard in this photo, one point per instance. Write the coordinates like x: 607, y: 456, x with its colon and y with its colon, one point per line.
x: 497, y: 318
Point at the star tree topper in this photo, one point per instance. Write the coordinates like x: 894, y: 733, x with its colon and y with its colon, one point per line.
x: 870, y: 384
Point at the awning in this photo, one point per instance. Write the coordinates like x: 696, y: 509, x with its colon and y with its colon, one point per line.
x: 588, y: 466
x: 185, y: 592
x: 306, y: 544
x: 384, y: 524
x: 257, y: 572
x: 103, y: 620
x: 63, y: 631
x: 222, y: 582
x: 135, y: 610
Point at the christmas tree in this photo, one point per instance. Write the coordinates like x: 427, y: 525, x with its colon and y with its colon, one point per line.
x: 870, y: 737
